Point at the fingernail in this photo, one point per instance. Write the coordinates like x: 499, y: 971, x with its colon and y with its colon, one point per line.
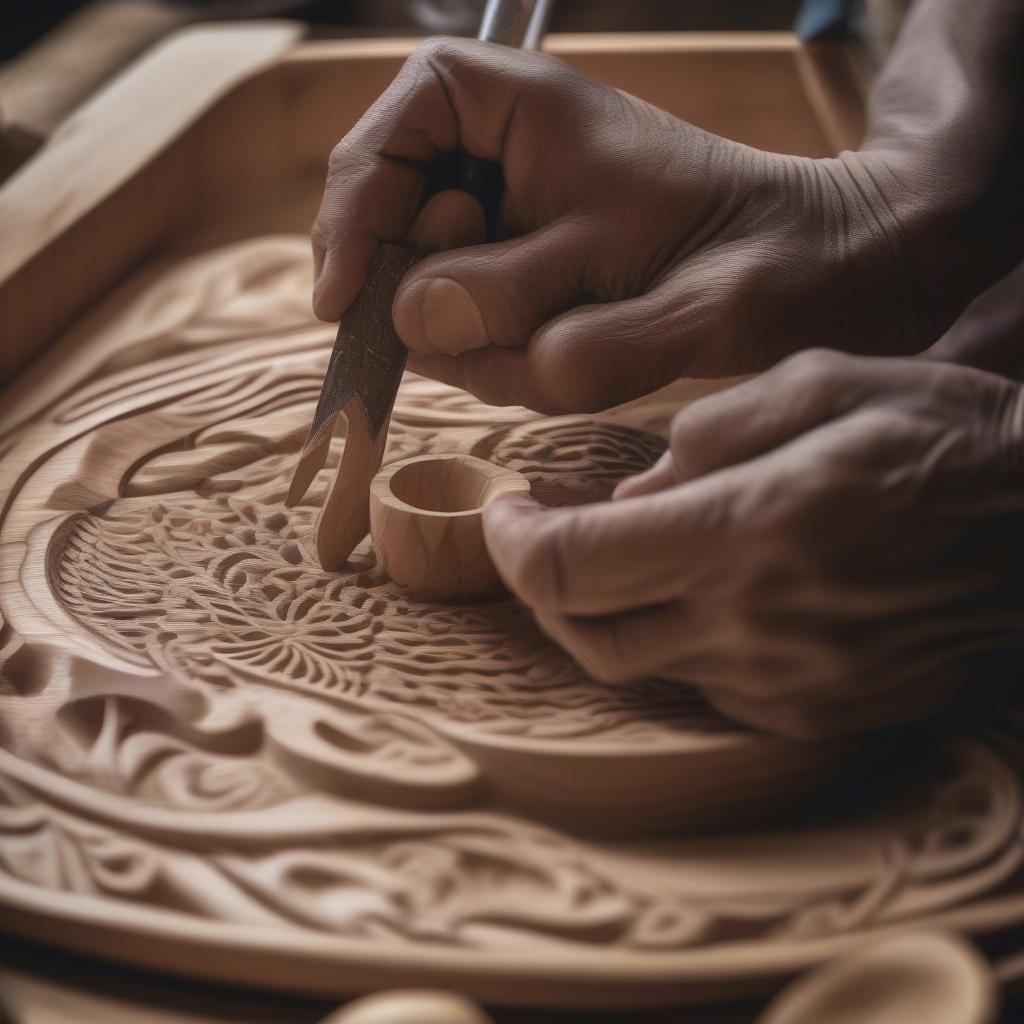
x: 450, y: 318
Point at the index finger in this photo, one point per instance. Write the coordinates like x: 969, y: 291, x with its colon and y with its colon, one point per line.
x: 608, y: 557
x: 449, y: 94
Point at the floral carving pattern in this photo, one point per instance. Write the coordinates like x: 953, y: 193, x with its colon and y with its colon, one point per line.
x: 226, y: 590
x: 198, y: 724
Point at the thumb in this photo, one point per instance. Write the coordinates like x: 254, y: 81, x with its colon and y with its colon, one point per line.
x: 496, y: 294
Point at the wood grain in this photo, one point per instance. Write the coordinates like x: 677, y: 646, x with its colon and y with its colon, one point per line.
x: 315, y: 780
x: 42, y: 85
x: 220, y: 760
x: 79, y: 215
x: 427, y: 523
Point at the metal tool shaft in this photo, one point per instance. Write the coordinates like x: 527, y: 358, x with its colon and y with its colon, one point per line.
x: 517, y: 23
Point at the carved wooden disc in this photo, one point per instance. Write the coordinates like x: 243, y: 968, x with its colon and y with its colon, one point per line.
x: 218, y: 759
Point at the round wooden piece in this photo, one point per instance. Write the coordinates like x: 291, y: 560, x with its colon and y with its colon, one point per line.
x: 410, y: 1006
x: 920, y: 976
x: 426, y: 517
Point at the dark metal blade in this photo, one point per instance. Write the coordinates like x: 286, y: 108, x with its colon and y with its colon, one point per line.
x: 366, y: 365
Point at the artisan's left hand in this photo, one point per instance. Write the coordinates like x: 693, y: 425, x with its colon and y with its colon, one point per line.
x: 830, y: 547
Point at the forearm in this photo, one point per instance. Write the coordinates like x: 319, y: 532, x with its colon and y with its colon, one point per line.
x: 948, y: 102
x: 638, y: 248
x: 990, y: 334
x: 943, y: 156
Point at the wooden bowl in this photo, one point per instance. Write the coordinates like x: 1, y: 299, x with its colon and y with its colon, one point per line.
x: 427, y: 523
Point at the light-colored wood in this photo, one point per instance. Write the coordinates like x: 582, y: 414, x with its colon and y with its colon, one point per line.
x: 219, y: 760
x: 836, y: 80
x: 917, y: 977
x: 426, y: 518
x: 242, y: 122
x: 41, y: 86
x: 410, y: 1007
x: 75, y: 218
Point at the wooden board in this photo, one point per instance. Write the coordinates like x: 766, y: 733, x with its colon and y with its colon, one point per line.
x: 232, y: 125
x: 217, y: 759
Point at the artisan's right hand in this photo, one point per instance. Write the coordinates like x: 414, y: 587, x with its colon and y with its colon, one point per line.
x: 640, y: 248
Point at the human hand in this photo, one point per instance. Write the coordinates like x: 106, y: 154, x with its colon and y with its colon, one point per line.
x: 641, y: 248
x: 829, y: 547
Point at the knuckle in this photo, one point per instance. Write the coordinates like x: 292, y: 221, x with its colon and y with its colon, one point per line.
x: 771, y: 509
x: 817, y: 365
x: 687, y: 436
x: 561, y: 88
x: 340, y: 157
x: 684, y: 426
x: 440, y: 52
x: 569, y: 381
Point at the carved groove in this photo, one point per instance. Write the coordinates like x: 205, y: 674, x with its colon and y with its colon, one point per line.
x: 199, y: 725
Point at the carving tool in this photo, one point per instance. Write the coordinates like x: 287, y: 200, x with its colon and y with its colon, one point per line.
x: 368, y: 358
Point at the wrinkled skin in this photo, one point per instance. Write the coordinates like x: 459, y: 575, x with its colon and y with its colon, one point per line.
x: 831, y: 547
x: 822, y: 549
x: 644, y: 248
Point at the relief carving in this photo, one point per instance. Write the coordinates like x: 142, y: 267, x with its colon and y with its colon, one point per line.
x: 208, y: 741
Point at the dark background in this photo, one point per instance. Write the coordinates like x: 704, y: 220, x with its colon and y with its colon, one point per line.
x: 24, y: 21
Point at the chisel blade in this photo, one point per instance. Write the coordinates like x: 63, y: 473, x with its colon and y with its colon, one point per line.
x: 361, y: 383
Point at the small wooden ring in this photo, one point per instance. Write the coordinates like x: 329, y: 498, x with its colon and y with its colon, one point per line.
x: 427, y: 524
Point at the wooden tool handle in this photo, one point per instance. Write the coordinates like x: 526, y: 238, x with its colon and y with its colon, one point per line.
x: 481, y: 178
x: 519, y: 24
